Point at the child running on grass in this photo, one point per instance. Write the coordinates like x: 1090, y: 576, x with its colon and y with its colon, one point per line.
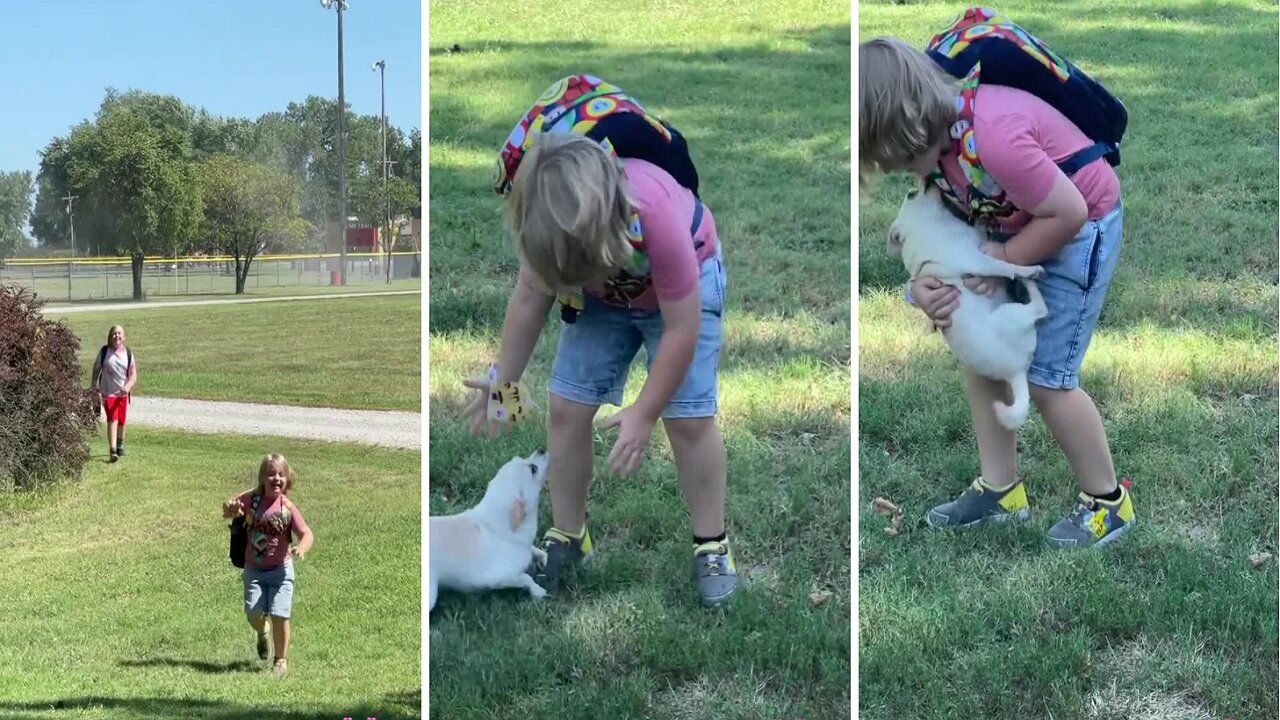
x: 631, y: 253
x: 272, y: 521
x: 917, y: 118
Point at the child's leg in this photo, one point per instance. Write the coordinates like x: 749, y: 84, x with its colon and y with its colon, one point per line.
x: 590, y: 369
x: 569, y: 461
x: 700, y: 458
x: 112, y: 427
x: 1073, y: 418
x: 997, y: 447
x: 280, y: 636
x: 257, y: 621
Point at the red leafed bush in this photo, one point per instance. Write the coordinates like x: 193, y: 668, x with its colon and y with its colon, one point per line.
x: 45, y: 412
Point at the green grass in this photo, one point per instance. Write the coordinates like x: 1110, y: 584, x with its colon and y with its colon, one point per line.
x: 375, y: 288
x: 760, y: 91
x: 345, y: 352
x: 120, y: 601
x: 1173, y: 622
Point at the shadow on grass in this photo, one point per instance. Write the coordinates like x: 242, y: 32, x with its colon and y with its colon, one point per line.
x: 201, y: 666
x: 397, y: 707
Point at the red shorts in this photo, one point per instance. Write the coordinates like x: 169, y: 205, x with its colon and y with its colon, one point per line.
x: 116, y: 408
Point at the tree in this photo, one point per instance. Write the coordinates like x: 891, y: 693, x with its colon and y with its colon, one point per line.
x: 15, y: 209
x: 389, y: 211
x: 248, y: 208
x: 50, y: 224
x: 136, y: 182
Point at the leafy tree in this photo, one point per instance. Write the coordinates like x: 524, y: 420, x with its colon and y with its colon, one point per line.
x: 248, y: 208
x: 15, y: 208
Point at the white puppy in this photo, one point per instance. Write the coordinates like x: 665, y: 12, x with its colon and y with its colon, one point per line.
x: 990, y: 335
x: 489, y: 546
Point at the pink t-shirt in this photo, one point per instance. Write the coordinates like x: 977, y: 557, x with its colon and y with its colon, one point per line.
x: 270, y: 530
x: 666, y: 212
x: 1020, y: 138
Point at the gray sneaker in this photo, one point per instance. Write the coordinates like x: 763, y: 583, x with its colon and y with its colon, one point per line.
x: 715, y: 572
x: 561, y: 553
x: 1095, y: 522
x: 979, y: 503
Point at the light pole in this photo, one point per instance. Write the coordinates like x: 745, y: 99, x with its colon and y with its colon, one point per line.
x: 342, y: 147
x: 72, y: 218
x: 381, y: 68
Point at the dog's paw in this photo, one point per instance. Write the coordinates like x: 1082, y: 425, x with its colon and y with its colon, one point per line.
x: 1033, y: 272
x: 536, y: 590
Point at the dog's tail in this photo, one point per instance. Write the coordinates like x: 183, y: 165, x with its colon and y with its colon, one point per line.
x: 1012, y: 416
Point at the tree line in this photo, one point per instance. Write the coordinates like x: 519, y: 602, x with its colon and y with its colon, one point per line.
x: 152, y: 175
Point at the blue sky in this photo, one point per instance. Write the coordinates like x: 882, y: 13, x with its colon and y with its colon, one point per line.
x: 236, y: 58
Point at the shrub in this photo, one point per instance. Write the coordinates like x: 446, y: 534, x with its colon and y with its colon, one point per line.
x: 45, y: 412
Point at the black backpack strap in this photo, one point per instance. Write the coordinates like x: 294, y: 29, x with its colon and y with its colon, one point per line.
x: 1078, y: 160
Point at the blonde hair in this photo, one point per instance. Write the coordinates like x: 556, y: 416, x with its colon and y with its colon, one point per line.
x: 569, y: 210
x: 278, y: 459
x: 906, y: 105
x: 112, y: 331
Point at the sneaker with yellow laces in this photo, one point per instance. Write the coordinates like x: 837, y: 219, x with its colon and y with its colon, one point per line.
x: 1095, y: 522
x: 982, y: 502
x: 714, y: 571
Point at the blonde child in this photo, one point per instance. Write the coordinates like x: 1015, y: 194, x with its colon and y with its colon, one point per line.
x: 634, y: 258
x: 272, y: 521
x: 910, y: 121
x: 115, y: 372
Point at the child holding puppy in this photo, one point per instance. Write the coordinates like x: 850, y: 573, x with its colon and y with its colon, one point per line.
x: 632, y: 254
x: 915, y: 117
x: 272, y: 521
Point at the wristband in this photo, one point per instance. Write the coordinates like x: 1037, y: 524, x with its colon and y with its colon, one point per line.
x: 508, y: 402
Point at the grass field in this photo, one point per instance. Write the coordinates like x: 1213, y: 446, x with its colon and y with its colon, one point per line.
x: 760, y: 90
x: 1173, y: 622
x: 120, y: 602
x: 345, y: 352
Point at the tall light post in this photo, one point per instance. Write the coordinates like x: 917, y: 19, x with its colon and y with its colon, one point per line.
x: 72, y: 219
x: 342, y: 147
x: 380, y: 67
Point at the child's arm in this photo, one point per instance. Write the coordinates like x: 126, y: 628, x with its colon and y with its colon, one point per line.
x: 304, y: 538
x: 235, y: 505
x: 133, y: 377
x: 97, y: 371
x: 1056, y: 220
x: 526, y: 317
x: 681, y: 320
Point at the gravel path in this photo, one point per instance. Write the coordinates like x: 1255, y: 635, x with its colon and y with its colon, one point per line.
x: 368, y: 427
x: 92, y: 307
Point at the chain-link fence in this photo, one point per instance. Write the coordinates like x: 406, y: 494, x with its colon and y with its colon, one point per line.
x: 94, y: 278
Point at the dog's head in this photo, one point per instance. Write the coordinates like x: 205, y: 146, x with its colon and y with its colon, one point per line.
x: 516, y: 487
x: 922, y: 212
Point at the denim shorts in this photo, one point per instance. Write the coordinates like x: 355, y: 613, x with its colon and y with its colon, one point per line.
x: 268, y: 592
x: 1074, y: 286
x: 595, y: 353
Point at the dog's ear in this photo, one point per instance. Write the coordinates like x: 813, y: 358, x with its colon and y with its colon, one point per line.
x: 895, y: 242
x: 517, y: 513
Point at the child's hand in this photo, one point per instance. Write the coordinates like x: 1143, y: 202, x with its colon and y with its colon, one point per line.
x: 634, y: 432
x: 476, y: 414
x: 295, y: 552
x: 937, y: 299
x: 982, y: 284
x: 233, y: 507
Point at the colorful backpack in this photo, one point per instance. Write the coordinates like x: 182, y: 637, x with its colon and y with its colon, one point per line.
x: 591, y: 107
x: 985, y: 46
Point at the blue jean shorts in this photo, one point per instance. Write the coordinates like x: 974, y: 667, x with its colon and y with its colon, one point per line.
x: 269, y: 592
x: 595, y: 353
x: 1074, y: 286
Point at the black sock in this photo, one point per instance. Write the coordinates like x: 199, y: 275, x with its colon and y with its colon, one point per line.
x: 700, y: 540
x: 1112, y: 496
